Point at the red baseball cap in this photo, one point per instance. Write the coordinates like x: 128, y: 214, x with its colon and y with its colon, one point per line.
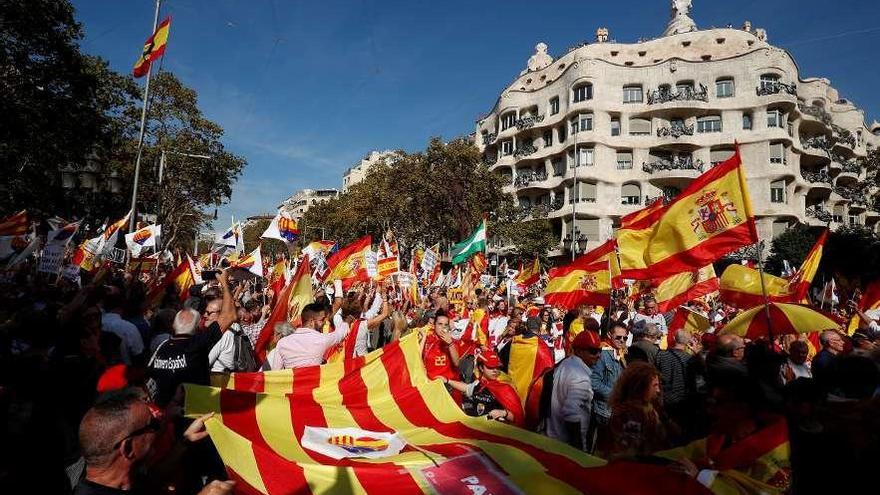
x: 489, y: 358
x: 587, y: 339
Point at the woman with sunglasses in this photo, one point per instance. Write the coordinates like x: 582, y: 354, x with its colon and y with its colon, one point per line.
x: 488, y: 396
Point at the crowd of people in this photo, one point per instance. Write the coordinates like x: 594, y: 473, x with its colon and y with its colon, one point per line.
x: 90, y: 380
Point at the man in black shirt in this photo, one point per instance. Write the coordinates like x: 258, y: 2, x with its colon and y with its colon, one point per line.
x: 184, y: 357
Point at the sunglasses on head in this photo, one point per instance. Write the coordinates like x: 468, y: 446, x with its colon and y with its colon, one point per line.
x: 151, y: 427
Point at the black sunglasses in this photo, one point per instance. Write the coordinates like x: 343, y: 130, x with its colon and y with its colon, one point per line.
x: 594, y: 352
x: 151, y: 427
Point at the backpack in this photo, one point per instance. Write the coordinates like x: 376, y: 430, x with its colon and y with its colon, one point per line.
x: 243, y: 353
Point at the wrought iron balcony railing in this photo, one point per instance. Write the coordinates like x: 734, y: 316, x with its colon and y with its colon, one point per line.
x: 817, y: 142
x: 849, y: 193
x: 524, y: 150
x: 490, y: 138
x: 817, y: 177
x: 844, y: 136
x: 675, y: 131
x: 529, y: 121
x: 680, y: 162
x: 664, y: 95
x: 819, y: 213
x: 772, y: 88
x: 852, y: 167
x: 557, y: 204
x: 814, y: 111
x: 523, y: 180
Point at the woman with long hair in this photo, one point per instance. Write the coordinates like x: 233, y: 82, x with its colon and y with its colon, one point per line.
x: 638, y: 424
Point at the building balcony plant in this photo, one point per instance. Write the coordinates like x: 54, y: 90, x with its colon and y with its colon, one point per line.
x: 820, y: 177
x: 817, y: 142
x: 523, y: 180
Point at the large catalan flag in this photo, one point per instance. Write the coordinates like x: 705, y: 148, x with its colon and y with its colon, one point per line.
x: 348, y: 264
x: 154, y: 48
x: 710, y: 218
x: 587, y: 279
x: 376, y: 424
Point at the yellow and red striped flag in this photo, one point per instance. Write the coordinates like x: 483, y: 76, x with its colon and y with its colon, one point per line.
x: 685, y: 319
x: 710, y: 218
x: 529, y: 358
x: 253, y: 262
x: 530, y: 276
x: 15, y: 224
x: 154, y: 48
x: 870, y: 301
x: 682, y: 287
x: 296, y: 294
x: 388, y: 259
x: 348, y: 264
x: 587, y: 279
x: 633, y: 238
x: 181, y: 278
x: 637, y: 217
x: 802, y: 279
x: 741, y: 286
x: 278, y: 432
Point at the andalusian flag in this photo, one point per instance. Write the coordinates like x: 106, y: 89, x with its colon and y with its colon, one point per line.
x: 741, y: 286
x: 290, y: 302
x: 530, y: 276
x: 529, y: 358
x: 476, y: 243
x: 587, y: 279
x: 710, y: 218
x: 348, y: 264
x: 683, y: 287
x: 154, y: 48
x: 802, y: 279
x: 280, y: 432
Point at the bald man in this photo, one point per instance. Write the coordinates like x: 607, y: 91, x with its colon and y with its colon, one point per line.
x: 726, y: 362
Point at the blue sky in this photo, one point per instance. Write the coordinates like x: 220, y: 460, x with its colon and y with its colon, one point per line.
x: 304, y: 89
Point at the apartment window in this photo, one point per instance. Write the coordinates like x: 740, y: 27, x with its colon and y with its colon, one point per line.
x: 676, y: 123
x: 586, y: 121
x: 548, y: 138
x: 632, y: 94
x: 777, y: 191
x: 562, y: 134
x: 712, y: 123
x: 583, y: 92
x: 719, y: 156
x: 724, y: 88
x: 588, y: 192
x: 615, y: 126
x: 769, y: 80
x: 508, y: 120
x: 639, y: 127
x: 790, y: 128
x: 585, y: 157
x: 507, y: 147
x: 747, y: 122
x: 554, y: 105
x: 837, y: 215
x: 777, y: 153
x: 670, y: 192
x: 573, y: 123
x: 624, y: 160
x: 774, y: 118
x: 558, y: 168
x: 631, y: 194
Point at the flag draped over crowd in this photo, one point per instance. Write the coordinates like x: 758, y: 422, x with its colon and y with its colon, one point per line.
x: 378, y: 425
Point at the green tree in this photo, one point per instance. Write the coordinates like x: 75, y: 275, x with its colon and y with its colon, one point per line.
x: 792, y: 246
x: 435, y: 195
x: 853, y: 252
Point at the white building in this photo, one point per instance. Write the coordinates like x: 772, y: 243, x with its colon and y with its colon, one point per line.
x: 357, y: 173
x: 297, y: 205
x: 642, y: 120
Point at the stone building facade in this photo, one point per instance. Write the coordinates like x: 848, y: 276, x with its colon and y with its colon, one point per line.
x: 598, y: 132
x: 297, y: 205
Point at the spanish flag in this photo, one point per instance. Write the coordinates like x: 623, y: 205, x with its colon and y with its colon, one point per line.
x: 388, y: 259
x: 587, y: 279
x: 710, y: 218
x: 262, y: 421
x: 637, y: 217
x: 529, y: 358
x: 348, y: 264
x: 741, y: 286
x: 296, y: 294
x: 633, y: 238
x: 682, y: 287
x: 253, y: 262
x: 529, y: 276
x: 181, y: 278
x: 685, y: 319
x: 154, y: 48
x: 870, y: 301
x: 802, y: 279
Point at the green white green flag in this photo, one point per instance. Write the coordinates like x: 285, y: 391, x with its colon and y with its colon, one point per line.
x: 475, y: 243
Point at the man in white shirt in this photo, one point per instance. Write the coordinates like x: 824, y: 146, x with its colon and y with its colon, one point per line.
x: 571, y: 402
x: 132, y: 342
x: 306, y: 346
x: 652, y: 316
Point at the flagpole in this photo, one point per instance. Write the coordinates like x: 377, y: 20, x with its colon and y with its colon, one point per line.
x: 759, y: 247
x: 140, y: 148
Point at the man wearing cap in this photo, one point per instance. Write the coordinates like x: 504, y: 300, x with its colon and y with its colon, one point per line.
x: 572, y: 397
x: 488, y: 396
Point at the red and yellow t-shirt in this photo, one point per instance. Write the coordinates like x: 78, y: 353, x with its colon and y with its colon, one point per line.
x: 438, y: 362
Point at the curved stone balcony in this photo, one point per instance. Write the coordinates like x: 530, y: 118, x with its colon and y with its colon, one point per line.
x: 775, y: 88
x: 816, y: 145
x: 683, y: 95
x: 675, y: 131
x: 816, y: 215
x: 820, y: 180
x: 816, y: 113
x: 529, y: 179
x: 529, y: 121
